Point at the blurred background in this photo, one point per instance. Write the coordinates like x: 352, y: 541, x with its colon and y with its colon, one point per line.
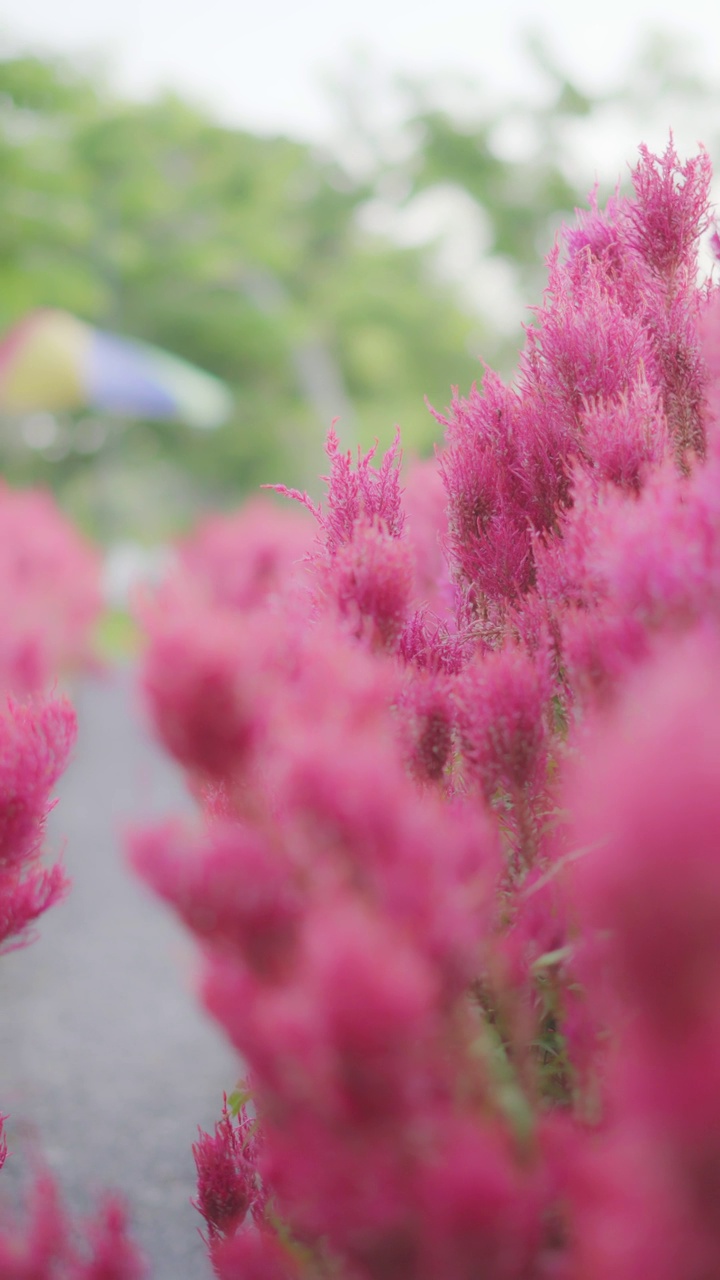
x: 308, y: 211
x: 335, y: 211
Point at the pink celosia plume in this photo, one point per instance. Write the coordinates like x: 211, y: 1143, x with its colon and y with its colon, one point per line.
x: 454, y: 880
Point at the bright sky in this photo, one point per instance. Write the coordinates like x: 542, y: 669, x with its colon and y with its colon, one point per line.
x: 261, y: 63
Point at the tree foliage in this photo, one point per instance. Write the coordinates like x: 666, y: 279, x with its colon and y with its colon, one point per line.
x: 239, y: 253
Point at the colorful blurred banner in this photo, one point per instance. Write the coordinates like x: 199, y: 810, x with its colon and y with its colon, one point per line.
x: 53, y: 361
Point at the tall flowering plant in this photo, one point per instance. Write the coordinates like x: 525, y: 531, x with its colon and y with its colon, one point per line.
x: 50, y: 584
x: 50, y: 589
x: 457, y: 880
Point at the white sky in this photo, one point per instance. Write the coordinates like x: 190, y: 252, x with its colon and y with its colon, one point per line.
x: 261, y: 63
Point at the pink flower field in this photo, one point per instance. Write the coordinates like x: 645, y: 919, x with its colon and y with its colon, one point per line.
x: 454, y: 735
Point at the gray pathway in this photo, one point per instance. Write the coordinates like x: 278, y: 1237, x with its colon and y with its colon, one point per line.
x: 105, y: 1056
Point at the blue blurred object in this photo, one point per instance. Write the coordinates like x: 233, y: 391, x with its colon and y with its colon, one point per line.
x: 52, y: 360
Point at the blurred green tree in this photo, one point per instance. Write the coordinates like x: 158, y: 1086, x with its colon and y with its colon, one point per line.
x: 239, y: 253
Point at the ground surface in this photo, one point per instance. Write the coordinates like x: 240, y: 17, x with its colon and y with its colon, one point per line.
x: 106, y: 1061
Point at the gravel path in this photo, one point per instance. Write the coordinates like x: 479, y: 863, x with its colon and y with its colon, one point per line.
x: 106, y: 1061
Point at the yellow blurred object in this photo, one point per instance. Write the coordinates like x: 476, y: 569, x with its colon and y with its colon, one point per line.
x: 46, y: 370
x: 53, y: 361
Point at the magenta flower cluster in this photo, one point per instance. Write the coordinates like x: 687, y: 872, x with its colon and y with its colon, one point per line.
x: 455, y: 874
x: 50, y: 587
x: 457, y: 880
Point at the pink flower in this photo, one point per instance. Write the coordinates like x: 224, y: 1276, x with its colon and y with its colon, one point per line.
x: 428, y: 720
x: 670, y: 210
x: 414, y: 1012
x: 113, y: 1256
x: 501, y: 700
x: 648, y: 814
x: 626, y: 437
x: 229, y: 1184
x: 50, y: 585
x: 48, y: 1247
x: 370, y: 580
x: 488, y: 521
x: 622, y: 1215
x: 233, y: 889
x: 366, y: 493
x: 251, y: 1255
x: 203, y: 686
x: 476, y: 1204
x: 240, y: 559
x: 648, y: 803
x: 35, y: 743
x: 346, y: 1033
x: 425, y: 503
